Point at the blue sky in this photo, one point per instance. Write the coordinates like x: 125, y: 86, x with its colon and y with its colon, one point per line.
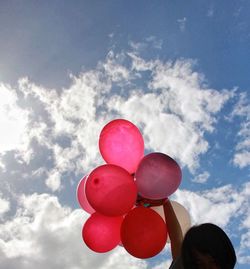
x: 178, y: 70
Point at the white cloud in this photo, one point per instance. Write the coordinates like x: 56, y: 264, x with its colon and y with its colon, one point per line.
x: 4, y: 206
x: 156, y: 43
x: 174, y: 108
x: 137, y: 46
x: 163, y: 265
x: 54, y: 180
x: 163, y: 132
x: 242, y: 159
x: 72, y: 115
x: 182, y: 23
x: 151, y: 42
x: 246, y: 222
x: 116, y: 71
x: 216, y: 205
x: 187, y: 94
x: 120, y: 259
x: 13, y: 119
x: 201, y: 178
x: 243, y: 250
x: 243, y: 253
x: 139, y: 64
x: 242, y: 149
x: 44, y: 234
x: 174, y: 112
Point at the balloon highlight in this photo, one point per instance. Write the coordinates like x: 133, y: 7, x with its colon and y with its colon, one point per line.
x: 121, y: 143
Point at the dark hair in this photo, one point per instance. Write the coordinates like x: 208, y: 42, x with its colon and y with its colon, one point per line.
x: 209, y: 240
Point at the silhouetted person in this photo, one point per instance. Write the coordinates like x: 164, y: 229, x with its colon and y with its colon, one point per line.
x: 205, y: 246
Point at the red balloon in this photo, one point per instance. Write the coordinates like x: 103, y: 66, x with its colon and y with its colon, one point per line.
x: 143, y: 233
x: 157, y: 176
x: 81, y: 196
x: 111, y: 190
x: 121, y: 143
x: 101, y: 233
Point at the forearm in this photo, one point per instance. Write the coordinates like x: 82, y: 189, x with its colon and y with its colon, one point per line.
x: 174, y: 229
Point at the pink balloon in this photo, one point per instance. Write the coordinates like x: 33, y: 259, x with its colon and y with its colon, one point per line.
x: 101, y: 233
x: 111, y: 190
x: 143, y: 233
x: 157, y: 176
x: 81, y: 196
x: 121, y: 143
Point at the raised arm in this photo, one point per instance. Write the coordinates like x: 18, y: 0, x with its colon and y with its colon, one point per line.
x: 174, y: 229
x: 172, y: 223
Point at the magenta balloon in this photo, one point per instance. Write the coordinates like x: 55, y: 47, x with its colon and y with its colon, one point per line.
x: 157, y: 176
x: 111, y: 190
x: 101, y: 233
x: 121, y: 143
x: 81, y: 196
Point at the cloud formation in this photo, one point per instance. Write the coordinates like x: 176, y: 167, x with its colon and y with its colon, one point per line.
x: 56, y: 142
x: 13, y: 119
x: 201, y: 178
x: 46, y: 234
x: 4, y: 206
x: 169, y: 101
x: 182, y: 23
x: 242, y: 110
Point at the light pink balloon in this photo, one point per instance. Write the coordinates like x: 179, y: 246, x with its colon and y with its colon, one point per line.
x: 181, y: 213
x: 81, y: 196
x: 121, y: 143
x: 157, y: 176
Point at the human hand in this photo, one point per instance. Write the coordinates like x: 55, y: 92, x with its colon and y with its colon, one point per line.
x: 150, y: 202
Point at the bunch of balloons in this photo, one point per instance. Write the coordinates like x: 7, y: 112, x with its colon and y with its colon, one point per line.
x: 109, y: 193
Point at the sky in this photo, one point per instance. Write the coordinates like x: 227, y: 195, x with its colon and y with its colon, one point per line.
x: 179, y: 70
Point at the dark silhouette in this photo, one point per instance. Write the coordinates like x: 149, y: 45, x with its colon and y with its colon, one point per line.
x: 205, y: 246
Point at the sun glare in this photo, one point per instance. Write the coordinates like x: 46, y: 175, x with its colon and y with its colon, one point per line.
x: 12, y: 120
